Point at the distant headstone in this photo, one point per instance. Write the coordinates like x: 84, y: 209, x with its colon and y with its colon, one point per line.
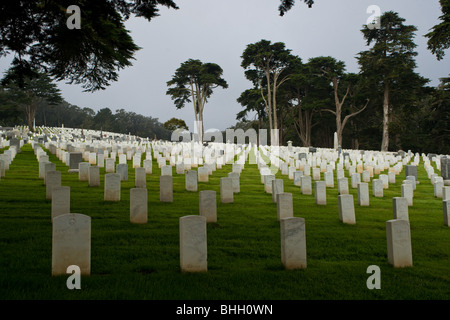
x: 363, y: 194
x: 399, y: 243
x: 191, y: 180
x: 138, y: 205
x: 193, y: 244
x: 407, y: 192
x: 235, y: 179
x: 94, y: 176
x: 60, y: 201
x: 208, y: 205
x: 226, y: 190
x: 203, y: 175
x: 268, y: 182
x: 166, y: 188
x: 377, y: 188
x: 293, y: 243
x: 297, y: 178
x: 400, y: 208
x: 49, y: 166
x: 343, y: 186
x: 411, y: 170
x: 306, y: 187
x: 53, y: 179
x: 74, y: 159
x: 122, y: 170
x: 277, y: 187
x: 148, y: 166
x: 285, y: 206
x: 83, y: 171
x: 320, y: 192
x: 140, y: 178
x: 71, y: 243
x: 346, y: 208
x: 112, y: 187
x: 446, y: 211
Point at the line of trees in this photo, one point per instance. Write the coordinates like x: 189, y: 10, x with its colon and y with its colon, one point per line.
x: 386, y: 101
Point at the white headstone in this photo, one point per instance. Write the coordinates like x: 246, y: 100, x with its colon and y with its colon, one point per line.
x: 71, y: 243
x: 293, y: 243
x: 138, y: 204
x: 208, y: 205
x: 193, y: 244
x: 399, y: 243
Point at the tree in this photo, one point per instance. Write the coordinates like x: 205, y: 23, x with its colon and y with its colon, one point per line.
x: 174, y: 124
x: 194, y: 82
x: 309, y: 93
x: 286, y: 5
x: 32, y: 93
x: 439, y: 36
x: 270, y: 67
x: 334, y: 72
x: 37, y: 33
x: 390, y: 58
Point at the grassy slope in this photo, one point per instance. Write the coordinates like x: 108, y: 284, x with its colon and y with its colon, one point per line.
x: 142, y: 261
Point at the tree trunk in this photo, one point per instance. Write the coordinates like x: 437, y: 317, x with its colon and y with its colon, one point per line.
x: 385, y: 140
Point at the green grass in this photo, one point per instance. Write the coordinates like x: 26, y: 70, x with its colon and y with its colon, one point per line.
x: 244, y: 260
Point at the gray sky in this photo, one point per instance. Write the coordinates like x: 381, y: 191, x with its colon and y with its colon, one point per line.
x: 218, y: 31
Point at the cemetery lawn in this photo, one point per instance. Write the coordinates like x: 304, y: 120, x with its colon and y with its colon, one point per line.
x: 130, y: 261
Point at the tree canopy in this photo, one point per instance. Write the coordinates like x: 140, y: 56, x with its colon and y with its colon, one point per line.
x: 37, y: 34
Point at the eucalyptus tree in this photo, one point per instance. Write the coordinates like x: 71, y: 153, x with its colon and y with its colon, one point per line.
x: 194, y: 81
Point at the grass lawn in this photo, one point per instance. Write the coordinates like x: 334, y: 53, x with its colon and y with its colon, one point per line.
x: 136, y: 262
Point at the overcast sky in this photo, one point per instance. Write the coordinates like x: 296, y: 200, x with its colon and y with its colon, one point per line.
x: 218, y: 31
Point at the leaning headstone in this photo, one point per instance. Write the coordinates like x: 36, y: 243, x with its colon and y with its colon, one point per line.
x: 166, y: 188
x: 320, y: 192
x: 208, y: 205
x: 193, y: 244
x: 398, y: 238
x: 277, y: 187
x: 226, y: 190
x: 53, y: 180
x: 306, y: 185
x: 60, y: 201
x: 138, y: 204
x: 400, y: 208
x: 191, y: 180
x: 293, y: 243
x: 363, y: 194
x: 94, y: 176
x: 112, y: 187
x: 71, y: 243
x: 140, y: 178
x: 285, y: 206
